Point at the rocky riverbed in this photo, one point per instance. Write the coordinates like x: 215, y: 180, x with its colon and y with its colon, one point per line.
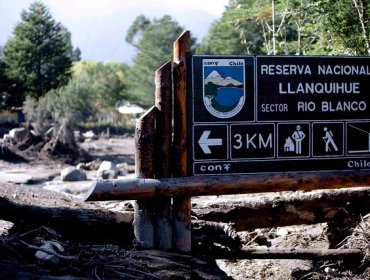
x: 38, y: 182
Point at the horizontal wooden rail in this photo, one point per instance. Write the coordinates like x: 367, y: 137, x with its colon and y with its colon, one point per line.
x: 138, y: 188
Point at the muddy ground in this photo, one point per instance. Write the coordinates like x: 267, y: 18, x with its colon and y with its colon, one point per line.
x: 24, y: 178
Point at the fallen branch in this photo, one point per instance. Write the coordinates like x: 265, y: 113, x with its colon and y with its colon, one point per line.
x: 304, y: 254
x: 74, y: 220
x: 50, y: 252
x: 206, y: 234
x: 245, y: 213
x: 264, y: 211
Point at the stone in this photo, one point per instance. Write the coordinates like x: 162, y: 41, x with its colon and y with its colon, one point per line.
x: 108, y: 174
x: 82, y: 166
x: 53, y: 247
x: 282, y: 232
x: 6, y: 137
x: 5, y: 227
x: 107, y: 170
x: 122, y: 168
x: 19, y: 134
x: 331, y: 271
x: 72, y: 174
x: 94, y: 165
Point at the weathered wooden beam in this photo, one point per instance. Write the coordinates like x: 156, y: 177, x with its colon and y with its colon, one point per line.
x: 283, y: 209
x: 71, y: 220
x: 144, y: 168
x: 206, y: 234
x: 145, y: 144
x: 180, y: 47
x: 138, y: 188
x: 293, y: 253
x: 181, y: 205
x: 163, y: 102
x: 98, y: 225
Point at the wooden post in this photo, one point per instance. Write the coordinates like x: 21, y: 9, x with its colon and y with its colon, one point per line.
x: 163, y: 102
x: 144, y: 168
x: 181, y: 205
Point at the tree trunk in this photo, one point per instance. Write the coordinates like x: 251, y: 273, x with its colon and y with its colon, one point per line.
x: 83, y: 221
x: 218, y: 220
x: 302, y: 254
x: 264, y: 211
x: 359, y: 5
x: 26, y: 207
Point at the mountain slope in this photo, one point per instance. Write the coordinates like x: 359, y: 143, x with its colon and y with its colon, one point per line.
x: 215, y: 78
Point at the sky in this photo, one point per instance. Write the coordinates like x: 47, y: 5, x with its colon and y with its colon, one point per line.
x: 99, y: 27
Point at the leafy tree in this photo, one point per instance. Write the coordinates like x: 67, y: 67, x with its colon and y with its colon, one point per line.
x: 363, y: 13
x: 153, y: 41
x: 344, y: 26
x: 107, y: 84
x: 72, y: 105
x: 3, y: 81
x: 91, y: 93
x: 8, y: 88
x: 252, y: 27
x: 39, y: 55
x: 63, y: 108
x: 337, y: 27
x: 232, y: 35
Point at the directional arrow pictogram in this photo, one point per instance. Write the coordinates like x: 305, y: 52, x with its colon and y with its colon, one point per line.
x: 205, y: 142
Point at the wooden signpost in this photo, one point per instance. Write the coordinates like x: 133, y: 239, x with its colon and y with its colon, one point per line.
x: 243, y: 124
x: 158, y: 223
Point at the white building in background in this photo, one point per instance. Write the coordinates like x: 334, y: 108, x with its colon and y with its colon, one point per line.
x: 128, y: 109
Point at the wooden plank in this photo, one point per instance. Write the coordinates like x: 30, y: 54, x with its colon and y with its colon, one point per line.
x: 181, y: 205
x: 163, y: 102
x: 135, y: 188
x: 144, y: 168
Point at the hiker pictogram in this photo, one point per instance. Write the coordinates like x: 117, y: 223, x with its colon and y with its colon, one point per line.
x: 329, y: 141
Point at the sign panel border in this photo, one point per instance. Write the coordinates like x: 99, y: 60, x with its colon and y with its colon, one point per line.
x: 282, y: 113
